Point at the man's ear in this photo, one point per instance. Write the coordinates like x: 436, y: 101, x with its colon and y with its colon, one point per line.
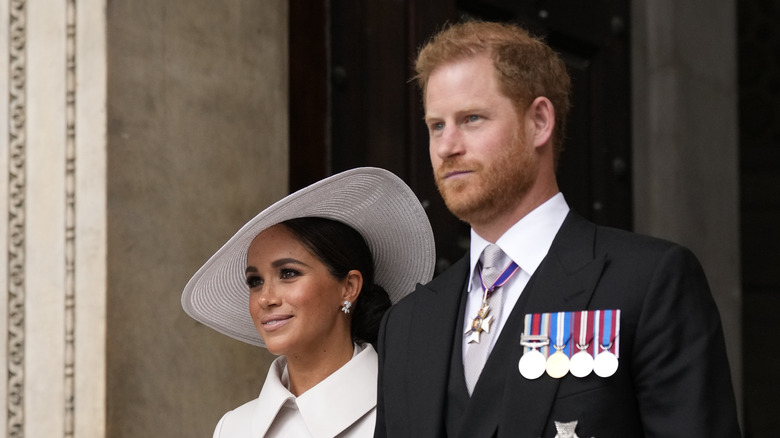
x: 540, y: 118
x: 353, y: 284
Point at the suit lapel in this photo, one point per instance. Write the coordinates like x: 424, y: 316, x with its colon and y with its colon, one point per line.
x: 435, y: 318
x: 570, y: 272
x: 565, y: 281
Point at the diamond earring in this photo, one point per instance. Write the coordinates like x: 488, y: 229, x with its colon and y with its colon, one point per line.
x: 346, y: 306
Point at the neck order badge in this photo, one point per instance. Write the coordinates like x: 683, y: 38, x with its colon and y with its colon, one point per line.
x: 484, y: 319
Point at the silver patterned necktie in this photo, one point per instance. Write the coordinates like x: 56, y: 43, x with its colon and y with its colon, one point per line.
x: 493, y: 261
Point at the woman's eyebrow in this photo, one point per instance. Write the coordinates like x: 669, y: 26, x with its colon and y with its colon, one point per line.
x: 288, y: 260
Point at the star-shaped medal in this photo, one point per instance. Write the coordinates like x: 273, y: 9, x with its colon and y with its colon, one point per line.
x: 480, y: 324
x: 566, y: 430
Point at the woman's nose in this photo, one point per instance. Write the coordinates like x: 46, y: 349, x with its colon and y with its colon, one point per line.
x: 268, y: 298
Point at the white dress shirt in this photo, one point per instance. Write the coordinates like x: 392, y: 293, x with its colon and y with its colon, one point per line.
x: 342, y: 405
x: 526, y: 243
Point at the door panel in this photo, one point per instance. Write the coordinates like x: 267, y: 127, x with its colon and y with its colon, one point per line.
x: 372, y: 114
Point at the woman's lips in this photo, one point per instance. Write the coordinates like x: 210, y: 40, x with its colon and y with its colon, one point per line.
x: 274, y: 322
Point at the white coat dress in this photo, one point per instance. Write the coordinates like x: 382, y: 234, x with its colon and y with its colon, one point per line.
x: 343, y: 405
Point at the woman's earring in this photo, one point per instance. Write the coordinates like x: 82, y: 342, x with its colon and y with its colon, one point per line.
x: 346, y: 306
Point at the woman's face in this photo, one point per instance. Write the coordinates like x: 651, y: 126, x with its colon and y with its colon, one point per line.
x: 294, y: 301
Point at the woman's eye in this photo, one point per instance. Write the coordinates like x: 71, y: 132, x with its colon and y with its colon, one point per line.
x: 287, y: 273
x: 254, y: 281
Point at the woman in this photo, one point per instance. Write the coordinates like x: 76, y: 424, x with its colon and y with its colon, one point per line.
x: 309, y: 278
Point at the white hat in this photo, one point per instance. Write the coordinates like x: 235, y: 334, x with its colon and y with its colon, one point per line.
x: 373, y: 201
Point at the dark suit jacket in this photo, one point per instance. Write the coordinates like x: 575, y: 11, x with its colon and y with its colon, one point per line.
x: 673, y: 379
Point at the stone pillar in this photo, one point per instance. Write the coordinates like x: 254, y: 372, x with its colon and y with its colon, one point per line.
x: 53, y: 228
x: 137, y: 136
x: 686, y: 144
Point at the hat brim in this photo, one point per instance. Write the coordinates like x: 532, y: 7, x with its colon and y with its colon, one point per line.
x: 373, y: 201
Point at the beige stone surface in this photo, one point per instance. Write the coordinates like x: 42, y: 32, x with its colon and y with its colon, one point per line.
x: 197, y: 144
x: 90, y: 283
x: 45, y: 219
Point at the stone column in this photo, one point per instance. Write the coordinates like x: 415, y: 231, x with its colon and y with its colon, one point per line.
x: 53, y: 228
x: 685, y: 141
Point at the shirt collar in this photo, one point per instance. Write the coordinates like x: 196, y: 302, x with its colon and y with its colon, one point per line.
x: 529, y: 239
x: 329, y: 407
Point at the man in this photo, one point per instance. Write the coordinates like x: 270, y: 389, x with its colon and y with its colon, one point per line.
x: 638, y: 309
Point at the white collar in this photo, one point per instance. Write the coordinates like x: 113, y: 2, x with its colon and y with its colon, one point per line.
x: 529, y: 239
x: 329, y: 407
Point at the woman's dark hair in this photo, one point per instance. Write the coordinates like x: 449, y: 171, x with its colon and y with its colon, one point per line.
x: 341, y: 248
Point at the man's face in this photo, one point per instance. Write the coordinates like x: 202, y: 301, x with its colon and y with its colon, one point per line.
x: 482, y: 162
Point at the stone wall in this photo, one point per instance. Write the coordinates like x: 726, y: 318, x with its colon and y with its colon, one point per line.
x: 197, y: 145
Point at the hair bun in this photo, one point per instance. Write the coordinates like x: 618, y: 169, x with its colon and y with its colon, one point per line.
x: 371, y: 305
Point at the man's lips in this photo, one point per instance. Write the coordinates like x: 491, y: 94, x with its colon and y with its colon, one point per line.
x: 454, y: 173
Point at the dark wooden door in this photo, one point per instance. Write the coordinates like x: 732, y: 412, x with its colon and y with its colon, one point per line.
x: 352, y: 104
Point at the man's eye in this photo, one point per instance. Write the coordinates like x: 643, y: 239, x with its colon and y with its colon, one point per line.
x: 437, y: 126
x: 473, y: 118
x: 254, y: 281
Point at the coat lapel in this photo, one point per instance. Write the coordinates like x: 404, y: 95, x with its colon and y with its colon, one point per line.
x: 565, y: 281
x: 435, y: 319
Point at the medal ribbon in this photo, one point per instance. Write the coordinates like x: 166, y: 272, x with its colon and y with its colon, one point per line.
x: 537, y: 324
x: 500, y: 281
x: 607, y: 325
x: 583, y: 332
x: 560, y: 326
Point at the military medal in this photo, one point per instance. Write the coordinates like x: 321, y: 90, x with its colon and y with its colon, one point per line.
x: 533, y: 363
x: 535, y: 338
x: 608, y: 324
x: 560, y: 330
x: 581, y: 363
x: 483, y: 320
x: 557, y: 364
x: 606, y: 363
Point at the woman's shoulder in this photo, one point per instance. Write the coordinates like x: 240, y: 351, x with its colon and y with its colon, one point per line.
x: 235, y: 423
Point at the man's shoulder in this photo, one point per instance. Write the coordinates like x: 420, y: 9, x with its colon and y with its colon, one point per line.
x: 621, y: 247
x: 616, y: 240
x: 450, y: 280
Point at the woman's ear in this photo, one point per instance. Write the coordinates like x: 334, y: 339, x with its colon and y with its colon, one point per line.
x: 353, y: 284
x: 540, y: 118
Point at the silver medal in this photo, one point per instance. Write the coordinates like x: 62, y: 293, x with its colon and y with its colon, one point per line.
x: 532, y: 364
x: 605, y: 364
x: 581, y: 364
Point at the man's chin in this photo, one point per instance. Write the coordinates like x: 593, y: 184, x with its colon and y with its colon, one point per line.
x: 464, y: 209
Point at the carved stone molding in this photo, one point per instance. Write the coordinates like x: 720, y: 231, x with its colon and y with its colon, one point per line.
x: 16, y: 216
x: 70, y: 220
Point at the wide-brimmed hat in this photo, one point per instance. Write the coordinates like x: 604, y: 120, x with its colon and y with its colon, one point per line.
x: 373, y: 201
